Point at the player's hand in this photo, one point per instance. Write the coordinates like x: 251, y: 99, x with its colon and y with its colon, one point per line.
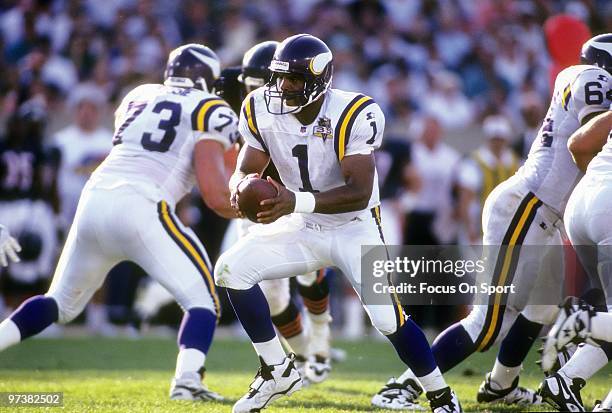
x: 235, y: 194
x: 8, y: 247
x: 282, y: 204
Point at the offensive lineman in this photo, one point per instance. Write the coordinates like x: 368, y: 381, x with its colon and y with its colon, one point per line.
x: 527, y: 209
x: 587, y: 219
x: 321, y: 218
x: 165, y: 136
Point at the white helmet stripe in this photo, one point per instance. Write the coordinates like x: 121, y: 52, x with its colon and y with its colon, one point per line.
x: 603, y: 46
x: 213, y: 63
x: 318, y: 63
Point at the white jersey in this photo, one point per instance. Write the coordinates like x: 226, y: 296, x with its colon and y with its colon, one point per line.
x: 601, y: 165
x: 308, y: 157
x: 549, y: 171
x: 156, y: 129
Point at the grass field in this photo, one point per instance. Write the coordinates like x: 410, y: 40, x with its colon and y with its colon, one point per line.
x: 114, y: 375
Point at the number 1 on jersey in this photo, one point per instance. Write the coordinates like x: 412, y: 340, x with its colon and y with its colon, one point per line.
x: 301, y: 153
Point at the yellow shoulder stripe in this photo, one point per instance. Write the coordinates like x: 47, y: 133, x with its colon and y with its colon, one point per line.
x: 203, y: 112
x: 345, y: 123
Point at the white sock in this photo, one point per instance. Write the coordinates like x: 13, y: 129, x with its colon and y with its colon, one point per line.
x: 585, y: 362
x: 608, y: 401
x: 308, y: 279
x: 299, y: 344
x: 503, y: 376
x: 320, y: 333
x: 9, y: 334
x: 601, y: 327
x: 189, y: 360
x: 408, y: 374
x: 433, y: 381
x: 271, y: 351
x: 323, y: 318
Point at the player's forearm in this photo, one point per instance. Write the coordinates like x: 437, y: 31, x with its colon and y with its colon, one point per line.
x: 587, y: 141
x: 218, y: 200
x: 582, y: 161
x: 354, y: 195
x: 347, y: 198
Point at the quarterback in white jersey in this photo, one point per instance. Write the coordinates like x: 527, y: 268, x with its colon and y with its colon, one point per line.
x: 527, y: 209
x: 321, y: 140
x: 166, y: 136
x: 310, y: 341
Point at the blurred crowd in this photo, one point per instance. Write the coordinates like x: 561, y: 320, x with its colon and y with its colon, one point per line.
x: 464, y: 85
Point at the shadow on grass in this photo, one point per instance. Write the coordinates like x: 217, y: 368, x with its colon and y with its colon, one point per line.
x: 324, y: 404
x: 340, y: 390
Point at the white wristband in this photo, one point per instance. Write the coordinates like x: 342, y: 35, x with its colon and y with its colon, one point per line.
x: 304, y: 202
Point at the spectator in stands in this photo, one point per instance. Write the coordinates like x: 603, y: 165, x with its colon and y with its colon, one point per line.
x: 82, y: 144
x: 485, y: 168
x: 532, y: 112
x: 447, y: 102
x: 430, y: 222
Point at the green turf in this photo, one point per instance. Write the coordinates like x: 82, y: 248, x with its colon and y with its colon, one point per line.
x: 104, y: 375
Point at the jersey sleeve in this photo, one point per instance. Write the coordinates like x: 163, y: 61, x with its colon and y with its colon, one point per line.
x: 589, y: 93
x: 248, y: 125
x: 360, y: 128
x: 213, y: 119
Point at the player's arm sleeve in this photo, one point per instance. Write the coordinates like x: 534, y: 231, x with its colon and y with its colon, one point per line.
x: 213, y: 119
x: 590, y: 93
x: 361, y: 130
x: 248, y: 128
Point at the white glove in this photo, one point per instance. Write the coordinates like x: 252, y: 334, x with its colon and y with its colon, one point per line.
x: 8, y: 246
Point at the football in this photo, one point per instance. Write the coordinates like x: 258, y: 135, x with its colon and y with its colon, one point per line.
x: 251, y: 193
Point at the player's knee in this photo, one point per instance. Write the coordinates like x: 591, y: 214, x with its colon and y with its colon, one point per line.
x: 384, y: 321
x: 541, y: 314
x: 66, y: 311
x: 70, y: 301
x: 278, y: 299
x: 199, y: 300
x: 386, y: 328
x: 474, y: 322
x: 231, y: 272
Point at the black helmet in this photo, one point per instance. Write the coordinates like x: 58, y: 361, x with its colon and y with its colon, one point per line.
x: 229, y: 88
x: 192, y: 65
x: 256, y: 64
x: 597, y: 51
x: 303, y: 55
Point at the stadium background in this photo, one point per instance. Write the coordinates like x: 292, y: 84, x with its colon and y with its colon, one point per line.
x: 437, y: 68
